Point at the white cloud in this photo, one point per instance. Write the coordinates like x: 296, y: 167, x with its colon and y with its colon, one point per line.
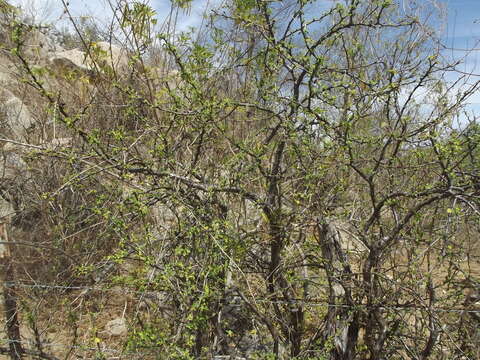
x: 52, y: 11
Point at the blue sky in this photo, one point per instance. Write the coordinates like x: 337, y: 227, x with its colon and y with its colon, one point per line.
x: 463, y: 18
x: 462, y: 14
x: 461, y: 30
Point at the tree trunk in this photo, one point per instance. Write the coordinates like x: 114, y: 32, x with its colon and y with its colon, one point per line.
x: 342, y: 322
x: 9, y: 297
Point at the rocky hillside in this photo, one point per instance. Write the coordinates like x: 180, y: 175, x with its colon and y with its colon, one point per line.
x: 60, y: 310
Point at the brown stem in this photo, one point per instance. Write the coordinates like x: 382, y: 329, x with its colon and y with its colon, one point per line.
x: 9, y: 298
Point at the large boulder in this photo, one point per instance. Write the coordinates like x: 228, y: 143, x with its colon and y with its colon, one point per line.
x: 16, y: 116
x: 6, y: 210
x: 7, y: 71
x: 73, y: 59
x: 101, y: 54
x: 115, y: 56
x: 39, y: 46
x: 13, y: 171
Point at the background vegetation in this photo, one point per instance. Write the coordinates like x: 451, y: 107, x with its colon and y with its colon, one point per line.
x: 290, y: 184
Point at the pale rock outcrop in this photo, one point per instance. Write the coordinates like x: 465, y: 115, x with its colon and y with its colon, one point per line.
x: 6, y: 72
x: 12, y: 168
x: 12, y: 164
x: 17, y: 117
x: 6, y: 210
x: 116, y: 56
x: 162, y: 78
x: 71, y: 60
x: 116, y: 327
x: 58, y: 143
x: 111, y: 55
x: 39, y: 46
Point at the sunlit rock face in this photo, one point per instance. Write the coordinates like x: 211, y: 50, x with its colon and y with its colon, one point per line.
x: 100, y: 57
x: 114, y: 56
x: 39, y: 46
x: 16, y: 117
x: 70, y: 60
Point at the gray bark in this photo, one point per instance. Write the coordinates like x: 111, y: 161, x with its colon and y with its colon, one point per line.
x: 9, y: 297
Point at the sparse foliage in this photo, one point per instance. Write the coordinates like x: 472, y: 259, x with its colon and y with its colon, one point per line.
x: 303, y: 185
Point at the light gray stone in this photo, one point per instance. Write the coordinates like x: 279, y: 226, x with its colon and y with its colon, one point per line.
x: 17, y: 115
x: 116, y: 56
x: 116, y: 327
x: 71, y: 60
